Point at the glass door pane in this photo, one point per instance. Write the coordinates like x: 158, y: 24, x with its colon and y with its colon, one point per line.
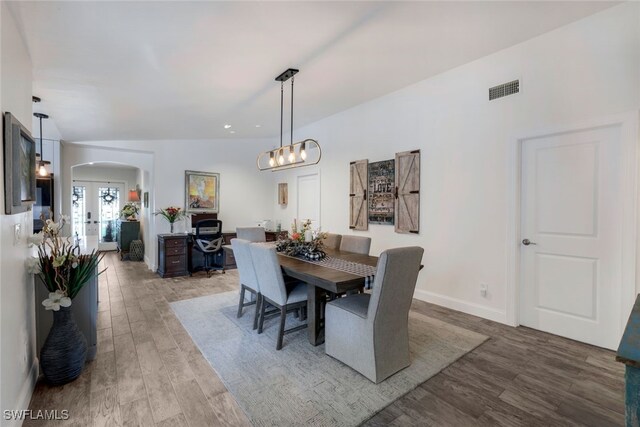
x: 108, y: 212
x: 78, y: 210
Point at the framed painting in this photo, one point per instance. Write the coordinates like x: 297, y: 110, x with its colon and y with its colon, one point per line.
x: 145, y: 199
x: 381, y: 192
x: 19, y: 166
x: 202, y: 190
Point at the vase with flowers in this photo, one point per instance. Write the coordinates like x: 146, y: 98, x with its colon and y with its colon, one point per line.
x: 130, y: 211
x: 171, y: 214
x: 64, y: 271
x: 303, y: 242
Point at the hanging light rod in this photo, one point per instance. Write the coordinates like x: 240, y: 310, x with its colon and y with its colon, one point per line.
x: 299, y: 154
x: 42, y: 164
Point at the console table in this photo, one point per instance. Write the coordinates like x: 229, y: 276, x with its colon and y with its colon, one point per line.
x: 629, y: 354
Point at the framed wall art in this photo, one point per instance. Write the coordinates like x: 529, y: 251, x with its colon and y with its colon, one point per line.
x: 283, y: 193
x: 381, y: 192
x: 202, y: 192
x: 19, y: 166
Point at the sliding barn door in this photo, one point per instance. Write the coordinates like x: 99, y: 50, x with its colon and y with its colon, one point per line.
x: 407, y: 207
x: 358, y: 206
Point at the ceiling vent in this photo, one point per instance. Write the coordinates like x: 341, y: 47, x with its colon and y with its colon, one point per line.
x: 504, y: 89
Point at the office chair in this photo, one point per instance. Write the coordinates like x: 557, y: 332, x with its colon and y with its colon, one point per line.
x: 208, y: 240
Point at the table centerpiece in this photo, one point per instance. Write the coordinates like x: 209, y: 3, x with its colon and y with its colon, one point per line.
x: 303, y: 243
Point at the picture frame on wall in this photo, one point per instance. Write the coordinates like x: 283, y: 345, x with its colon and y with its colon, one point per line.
x: 19, y: 166
x: 145, y: 199
x: 382, y: 192
x: 202, y: 192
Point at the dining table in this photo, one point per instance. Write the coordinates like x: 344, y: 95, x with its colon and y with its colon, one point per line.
x: 321, y: 281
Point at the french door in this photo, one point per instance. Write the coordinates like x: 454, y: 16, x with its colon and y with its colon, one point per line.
x: 95, y: 210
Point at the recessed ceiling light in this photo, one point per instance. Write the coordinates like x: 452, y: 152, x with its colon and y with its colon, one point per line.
x: 258, y: 126
x: 90, y: 163
x: 232, y: 131
x: 227, y: 126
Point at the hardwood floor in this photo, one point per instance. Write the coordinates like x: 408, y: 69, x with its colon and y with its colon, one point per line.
x: 149, y: 372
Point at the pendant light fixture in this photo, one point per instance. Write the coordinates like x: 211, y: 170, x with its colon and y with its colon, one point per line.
x: 42, y: 164
x: 309, y: 152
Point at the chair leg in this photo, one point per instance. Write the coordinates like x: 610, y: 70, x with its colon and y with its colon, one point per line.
x: 241, y: 300
x: 283, y: 317
x: 257, y: 314
x: 262, y: 308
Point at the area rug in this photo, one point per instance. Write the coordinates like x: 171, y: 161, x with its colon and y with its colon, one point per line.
x: 300, y: 384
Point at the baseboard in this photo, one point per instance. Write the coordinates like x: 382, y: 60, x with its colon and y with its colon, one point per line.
x: 463, y: 306
x: 24, y: 398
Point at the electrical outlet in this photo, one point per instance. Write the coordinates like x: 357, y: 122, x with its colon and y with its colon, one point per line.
x: 17, y: 234
x: 483, y: 289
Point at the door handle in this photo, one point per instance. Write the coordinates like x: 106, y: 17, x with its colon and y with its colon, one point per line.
x: 528, y: 242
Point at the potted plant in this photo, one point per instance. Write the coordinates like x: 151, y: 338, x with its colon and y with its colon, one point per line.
x: 64, y: 271
x: 171, y: 214
x: 130, y: 211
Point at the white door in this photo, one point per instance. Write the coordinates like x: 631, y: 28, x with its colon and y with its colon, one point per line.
x: 95, y: 210
x: 571, y: 235
x: 308, y: 195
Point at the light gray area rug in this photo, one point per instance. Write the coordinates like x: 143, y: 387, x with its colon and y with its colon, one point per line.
x: 300, y: 384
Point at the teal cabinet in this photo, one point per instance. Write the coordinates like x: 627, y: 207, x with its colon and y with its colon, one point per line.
x: 127, y: 231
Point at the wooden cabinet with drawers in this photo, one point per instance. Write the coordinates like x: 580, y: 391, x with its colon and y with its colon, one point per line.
x: 172, y: 255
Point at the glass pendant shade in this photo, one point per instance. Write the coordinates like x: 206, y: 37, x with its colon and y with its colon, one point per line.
x: 42, y: 170
x: 303, y: 151
x: 281, y: 157
x: 292, y: 154
x: 272, y: 159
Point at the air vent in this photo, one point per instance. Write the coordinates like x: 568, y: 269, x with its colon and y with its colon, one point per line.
x: 504, y: 89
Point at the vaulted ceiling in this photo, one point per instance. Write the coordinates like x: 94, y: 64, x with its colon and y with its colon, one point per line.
x: 182, y: 70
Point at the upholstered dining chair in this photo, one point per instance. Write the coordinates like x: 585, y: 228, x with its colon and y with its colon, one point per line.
x: 356, y: 244
x: 332, y: 241
x: 252, y: 234
x: 369, y: 332
x: 273, y: 290
x: 248, y: 278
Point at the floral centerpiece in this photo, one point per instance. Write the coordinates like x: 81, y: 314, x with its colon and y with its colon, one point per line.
x: 304, y: 242
x: 64, y: 271
x: 130, y: 211
x: 171, y: 214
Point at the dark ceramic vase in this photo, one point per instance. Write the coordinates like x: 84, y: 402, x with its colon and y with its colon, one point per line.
x: 65, y: 350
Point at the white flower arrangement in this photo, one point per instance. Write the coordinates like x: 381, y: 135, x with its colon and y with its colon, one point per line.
x: 56, y: 300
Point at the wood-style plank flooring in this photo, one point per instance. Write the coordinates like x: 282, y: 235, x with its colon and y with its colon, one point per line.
x: 149, y: 372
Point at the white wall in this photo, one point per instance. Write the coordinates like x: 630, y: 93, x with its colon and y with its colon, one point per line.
x: 128, y: 176
x: 18, y: 365
x: 245, y: 194
x: 586, y: 70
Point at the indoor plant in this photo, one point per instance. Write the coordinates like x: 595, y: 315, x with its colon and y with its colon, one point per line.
x: 130, y: 211
x: 171, y: 214
x: 64, y: 271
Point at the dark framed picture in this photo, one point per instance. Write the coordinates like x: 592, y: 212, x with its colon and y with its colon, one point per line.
x: 381, y: 192
x: 145, y: 199
x: 19, y: 166
x: 202, y: 192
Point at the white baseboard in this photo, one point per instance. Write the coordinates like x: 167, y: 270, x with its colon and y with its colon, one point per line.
x: 24, y: 398
x: 463, y: 306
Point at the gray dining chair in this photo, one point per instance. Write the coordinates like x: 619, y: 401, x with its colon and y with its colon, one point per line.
x: 370, y: 332
x: 356, y: 244
x: 273, y: 290
x: 248, y: 279
x: 252, y: 234
x: 332, y: 241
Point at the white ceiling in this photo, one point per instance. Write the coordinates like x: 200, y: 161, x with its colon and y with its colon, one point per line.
x: 181, y: 70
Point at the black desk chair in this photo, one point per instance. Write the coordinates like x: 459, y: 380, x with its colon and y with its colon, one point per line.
x: 208, y: 240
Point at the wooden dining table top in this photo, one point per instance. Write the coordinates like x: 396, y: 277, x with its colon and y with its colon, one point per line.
x: 327, y: 278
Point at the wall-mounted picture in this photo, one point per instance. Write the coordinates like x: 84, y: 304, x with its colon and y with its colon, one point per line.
x: 202, y: 192
x: 283, y: 193
x: 145, y: 199
x: 381, y: 192
x: 19, y: 166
